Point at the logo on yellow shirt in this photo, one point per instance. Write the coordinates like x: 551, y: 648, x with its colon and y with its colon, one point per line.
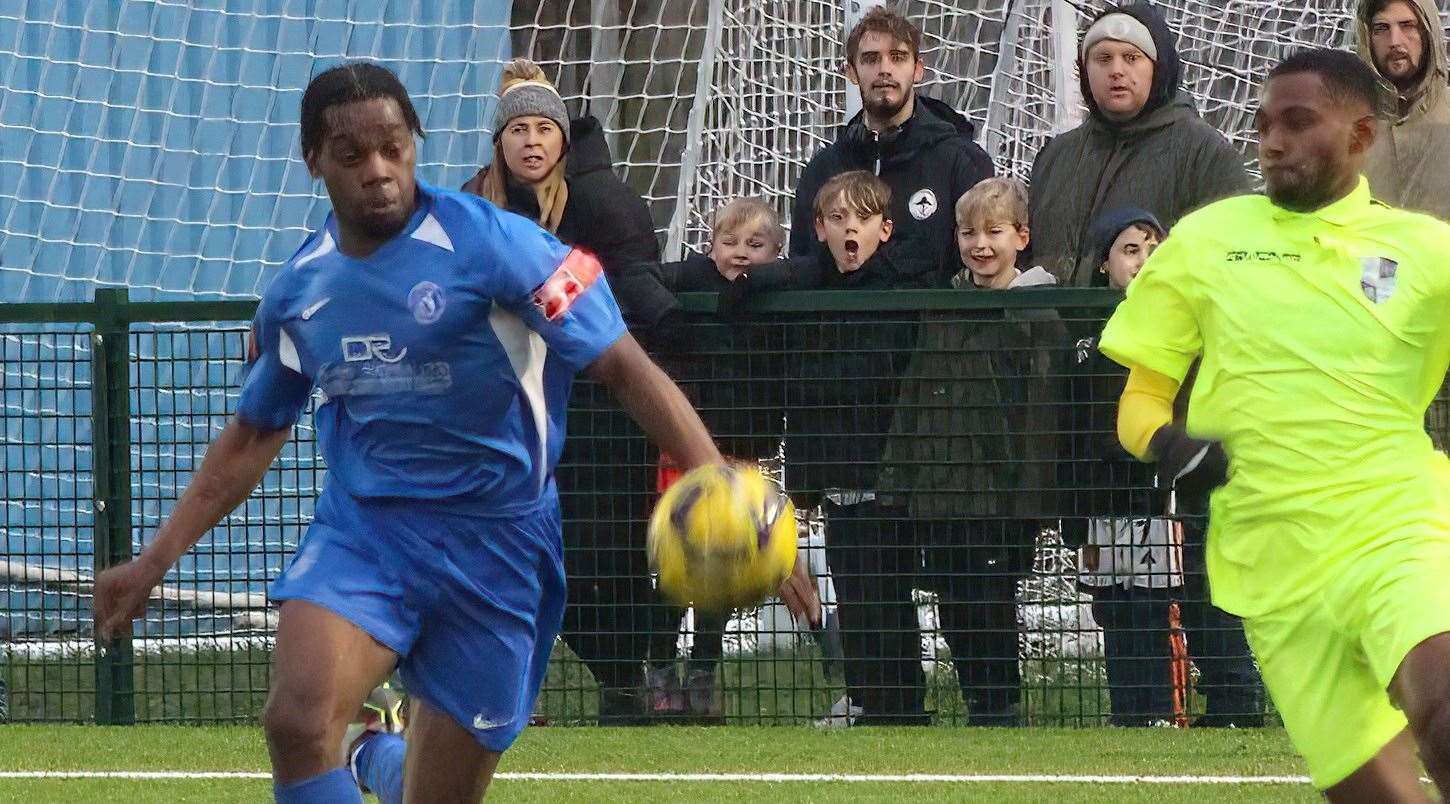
x: 1377, y: 278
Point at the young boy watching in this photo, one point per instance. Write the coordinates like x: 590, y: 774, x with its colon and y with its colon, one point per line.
x: 992, y: 231
x: 852, y: 219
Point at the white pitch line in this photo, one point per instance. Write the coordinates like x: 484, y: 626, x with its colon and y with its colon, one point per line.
x: 949, y: 778
x: 536, y: 776
x: 134, y: 775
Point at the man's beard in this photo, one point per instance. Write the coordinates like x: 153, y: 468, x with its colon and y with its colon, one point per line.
x: 1409, y: 82
x: 1306, y: 195
x: 884, y: 110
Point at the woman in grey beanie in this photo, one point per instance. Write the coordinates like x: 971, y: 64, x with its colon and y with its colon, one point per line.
x: 530, y: 138
x: 559, y: 173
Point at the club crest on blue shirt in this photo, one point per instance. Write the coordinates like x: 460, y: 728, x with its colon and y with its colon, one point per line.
x: 427, y: 302
x: 1377, y: 278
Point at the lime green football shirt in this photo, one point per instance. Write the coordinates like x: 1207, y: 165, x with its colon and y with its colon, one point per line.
x: 1324, y: 337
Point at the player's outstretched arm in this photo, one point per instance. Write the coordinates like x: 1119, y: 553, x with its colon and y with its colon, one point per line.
x: 233, y: 466
x: 651, y: 398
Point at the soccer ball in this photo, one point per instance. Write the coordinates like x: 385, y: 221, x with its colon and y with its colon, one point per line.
x: 722, y: 537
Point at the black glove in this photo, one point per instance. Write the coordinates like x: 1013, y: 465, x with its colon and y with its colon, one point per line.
x: 1191, y: 465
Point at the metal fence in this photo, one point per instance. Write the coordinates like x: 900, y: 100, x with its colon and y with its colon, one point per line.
x: 987, y: 553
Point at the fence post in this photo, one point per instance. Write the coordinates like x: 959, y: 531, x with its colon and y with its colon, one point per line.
x: 855, y: 11
x: 111, y: 451
x: 1066, y: 91
x: 687, y: 185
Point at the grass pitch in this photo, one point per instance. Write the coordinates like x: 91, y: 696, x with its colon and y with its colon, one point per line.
x: 1041, y: 756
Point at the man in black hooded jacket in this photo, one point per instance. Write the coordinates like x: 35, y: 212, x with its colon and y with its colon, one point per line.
x: 839, y: 404
x: 919, y: 146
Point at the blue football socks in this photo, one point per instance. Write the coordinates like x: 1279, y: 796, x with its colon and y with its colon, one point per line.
x: 379, y: 764
x: 334, y: 787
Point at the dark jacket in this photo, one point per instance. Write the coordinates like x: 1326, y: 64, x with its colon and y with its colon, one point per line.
x: 841, y: 384
x: 733, y: 364
x: 975, y: 434
x: 697, y: 274
x: 1166, y: 160
x: 931, y: 161
x: 1098, y: 478
x: 884, y: 271
x: 607, y: 218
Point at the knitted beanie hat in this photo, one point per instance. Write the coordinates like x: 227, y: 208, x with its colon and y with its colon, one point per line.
x: 525, y: 92
x: 1105, y: 229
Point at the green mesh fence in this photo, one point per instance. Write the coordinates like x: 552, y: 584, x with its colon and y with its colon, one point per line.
x: 987, y: 554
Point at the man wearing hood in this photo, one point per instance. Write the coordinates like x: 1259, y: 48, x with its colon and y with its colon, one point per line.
x: 1143, y: 145
x: 919, y: 146
x: 1409, y: 164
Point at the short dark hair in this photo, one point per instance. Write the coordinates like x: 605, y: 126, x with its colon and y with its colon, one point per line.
x: 1344, y: 74
x: 348, y: 83
x: 887, y: 21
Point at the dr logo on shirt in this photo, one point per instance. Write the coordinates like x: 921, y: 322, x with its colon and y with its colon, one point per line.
x: 358, y: 348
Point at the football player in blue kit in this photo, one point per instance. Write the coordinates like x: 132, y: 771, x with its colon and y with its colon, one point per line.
x: 441, y: 336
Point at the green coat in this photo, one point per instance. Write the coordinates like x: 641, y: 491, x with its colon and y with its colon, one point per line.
x: 1409, y: 164
x: 975, y: 431
x: 1167, y: 161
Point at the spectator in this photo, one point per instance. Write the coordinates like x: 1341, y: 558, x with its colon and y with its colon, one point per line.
x: 919, y: 146
x: 1142, y: 144
x: 853, y: 222
x: 838, y: 404
x: 1123, y: 240
x: 1133, y: 563
x: 731, y: 371
x: 1129, y: 562
x: 1409, y: 164
x: 728, y: 378
x: 558, y: 172
x: 746, y: 240
x: 968, y: 465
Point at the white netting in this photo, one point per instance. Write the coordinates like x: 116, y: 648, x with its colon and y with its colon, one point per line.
x: 778, y: 94
x: 152, y: 143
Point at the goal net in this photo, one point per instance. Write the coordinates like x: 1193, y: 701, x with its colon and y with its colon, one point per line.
x: 153, y: 143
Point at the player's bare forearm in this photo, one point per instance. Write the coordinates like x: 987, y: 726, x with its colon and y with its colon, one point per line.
x: 651, y: 398
x: 233, y: 466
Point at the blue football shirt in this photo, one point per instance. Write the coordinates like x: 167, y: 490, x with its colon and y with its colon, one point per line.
x: 443, y: 360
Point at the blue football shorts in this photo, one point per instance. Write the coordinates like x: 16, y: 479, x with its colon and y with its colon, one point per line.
x: 470, y: 604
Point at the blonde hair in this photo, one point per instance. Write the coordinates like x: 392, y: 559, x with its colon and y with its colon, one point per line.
x: 1000, y: 199
x: 552, y: 192
x: 522, y: 69
x: 745, y: 211
x: 861, y: 191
